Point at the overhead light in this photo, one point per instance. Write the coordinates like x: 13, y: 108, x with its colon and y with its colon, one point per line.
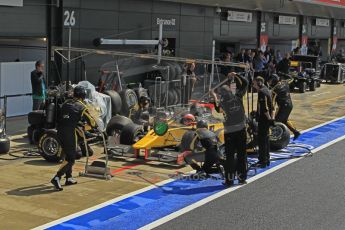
x: 218, y: 10
x: 45, y: 39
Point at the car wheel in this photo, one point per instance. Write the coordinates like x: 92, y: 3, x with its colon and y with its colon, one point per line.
x: 279, y: 137
x: 116, y: 102
x: 129, y: 101
x: 5, y: 145
x: 50, y: 147
x: 36, y: 117
x: 131, y: 133
x: 313, y: 85
x: 302, y: 86
x: 116, y: 124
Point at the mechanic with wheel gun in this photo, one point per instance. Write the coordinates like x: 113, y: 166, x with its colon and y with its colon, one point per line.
x: 204, y: 144
x: 73, y: 112
x: 235, y: 136
x: 282, y: 98
x: 265, y: 120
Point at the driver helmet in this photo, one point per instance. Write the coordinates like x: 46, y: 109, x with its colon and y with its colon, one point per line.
x: 188, y: 119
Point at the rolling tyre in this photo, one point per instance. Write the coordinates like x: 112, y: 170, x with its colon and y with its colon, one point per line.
x: 50, y: 147
x: 129, y: 101
x: 186, y: 141
x: 5, y: 145
x: 131, y: 133
x: 116, y: 102
x: 116, y: 124
x: 302, y: 86
x: 312, y: 85
x: 36, y: 117
x: 279, y: 137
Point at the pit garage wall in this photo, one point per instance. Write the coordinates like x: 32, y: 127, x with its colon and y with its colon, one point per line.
x: 193, y: 29
x: 22, y: 30
x: 320, y: 33
x: 241, y: 34
x: 340, y: 24
x: 280, y: 37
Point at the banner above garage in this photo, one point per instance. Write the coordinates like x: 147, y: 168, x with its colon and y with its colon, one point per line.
x: 11, y: 2
x: 334, y: 3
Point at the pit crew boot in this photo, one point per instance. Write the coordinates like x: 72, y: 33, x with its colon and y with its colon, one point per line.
x: 296, y: 134
x: 56, y: 182
x: 70, y: 181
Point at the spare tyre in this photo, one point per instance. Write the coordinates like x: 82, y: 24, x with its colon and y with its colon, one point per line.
x: 186, y: 141
x: 279, y: 136
x: 36, y: 117
x: 116, y: 124
x: 5, y: 145
x: 131, y: 133
x: 116, y: 102
x: 129, y: 101
x: 50, y: 147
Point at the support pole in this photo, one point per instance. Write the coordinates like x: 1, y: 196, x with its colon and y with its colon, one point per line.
x: 213, y: 58
x: 69, y: 56
x: 160, y: 38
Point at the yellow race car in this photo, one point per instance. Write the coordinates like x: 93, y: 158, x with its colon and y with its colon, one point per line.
x: 170, y: 137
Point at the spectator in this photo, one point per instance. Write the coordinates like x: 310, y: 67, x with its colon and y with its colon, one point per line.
x: 279, y: 56
x: 242, y: 57
x: 284, y: 65
x: 259, y: 62
x: 38, y: 86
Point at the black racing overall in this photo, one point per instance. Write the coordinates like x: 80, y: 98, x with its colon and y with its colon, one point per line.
x: 204, y: 144
x: 72, y: 113
x: 264, y: 106
x: 281, y: 97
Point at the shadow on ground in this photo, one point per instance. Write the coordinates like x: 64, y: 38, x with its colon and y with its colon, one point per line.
x: 32, y: 190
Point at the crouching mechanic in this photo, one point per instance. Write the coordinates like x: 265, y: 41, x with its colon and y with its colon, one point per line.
x: 72, y: 113
x: 204, y: 144
x: 282, y: 98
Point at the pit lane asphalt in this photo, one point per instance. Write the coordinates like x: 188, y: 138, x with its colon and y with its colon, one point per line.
x: 308, y: 194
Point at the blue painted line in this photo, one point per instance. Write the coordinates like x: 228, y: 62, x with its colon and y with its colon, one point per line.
x: 144, y: 208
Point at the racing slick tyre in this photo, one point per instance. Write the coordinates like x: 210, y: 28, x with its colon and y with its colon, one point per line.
x: 129, y: 101
x: 36, y: 117
x: 318, y: 83
x: 116, y: 124
x: 5, y: 145
x: 131, y: 133
x: 186, y: 141
x: 50, y: 147
x: 302, y: 86
x: 116, y: 102
x: 312, y: 85
x: 34, y: 134
x: 279, y: 136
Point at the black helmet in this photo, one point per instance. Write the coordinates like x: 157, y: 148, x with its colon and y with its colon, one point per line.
x: 79, y: 92
x: 274, y: 79
x: 202, y: 124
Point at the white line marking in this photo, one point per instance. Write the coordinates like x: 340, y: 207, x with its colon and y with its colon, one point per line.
x: 77, y: 214
x: 72, y: 216
x: 227, y: 191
